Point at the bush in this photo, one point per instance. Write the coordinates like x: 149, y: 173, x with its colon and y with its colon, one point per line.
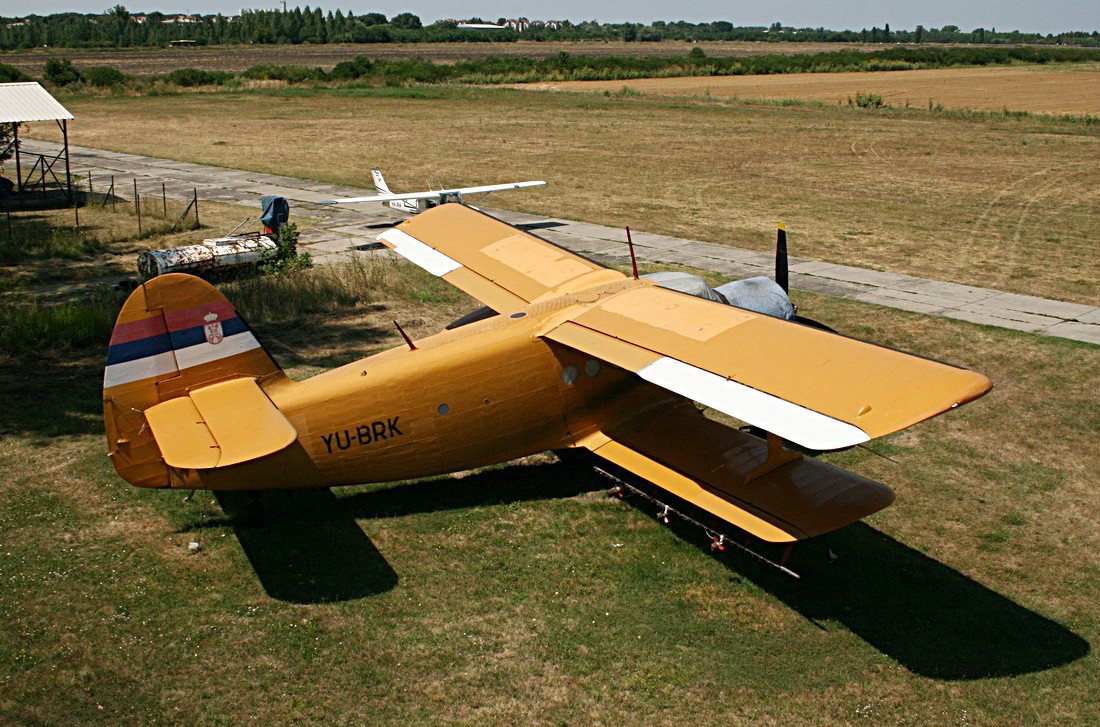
x: 290, y: 74
x: 60, y: 72
x: 104, y: 76
x: 11, y: 74
x: 868, y: 101
x: 285, y: 257
x: 197, y: 77
x: 351, y: 70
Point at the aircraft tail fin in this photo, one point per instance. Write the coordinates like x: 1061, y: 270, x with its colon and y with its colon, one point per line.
x: 380, y: 185
x: 176, y: 333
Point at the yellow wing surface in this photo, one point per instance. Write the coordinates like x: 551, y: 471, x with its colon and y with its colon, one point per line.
x: 816, y: 388
x: 733, y: 476
x: 809, y: 386
x: 503, y: 267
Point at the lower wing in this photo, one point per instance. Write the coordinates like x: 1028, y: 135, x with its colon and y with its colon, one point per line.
x: 775, y: 495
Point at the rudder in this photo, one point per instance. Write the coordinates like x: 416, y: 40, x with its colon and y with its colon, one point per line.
x: 174, y: 333
x: 380, y: 185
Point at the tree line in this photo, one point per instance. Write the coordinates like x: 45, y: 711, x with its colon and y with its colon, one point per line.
x: 60, y: 72
x: 119, y: 28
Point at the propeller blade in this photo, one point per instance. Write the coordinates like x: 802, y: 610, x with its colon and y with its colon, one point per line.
x: 781, y: 258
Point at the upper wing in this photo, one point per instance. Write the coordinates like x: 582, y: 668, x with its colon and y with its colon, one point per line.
x: 816, y: 388
x: 436, y: 194
x: 499, y: 265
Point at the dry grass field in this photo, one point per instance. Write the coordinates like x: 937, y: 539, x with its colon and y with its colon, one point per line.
x: 1071, y: 90
x: 147, y: 62
x: 1008, y: 203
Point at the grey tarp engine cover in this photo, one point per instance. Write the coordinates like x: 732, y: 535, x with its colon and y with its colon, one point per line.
x: 762, y: 295
x: 276, y: 213
x: 684, y: 283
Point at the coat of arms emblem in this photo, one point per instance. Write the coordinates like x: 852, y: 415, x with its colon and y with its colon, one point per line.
x: 213, y: 329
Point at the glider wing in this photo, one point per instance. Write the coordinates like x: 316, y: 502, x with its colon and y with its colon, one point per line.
x: 486, y: 189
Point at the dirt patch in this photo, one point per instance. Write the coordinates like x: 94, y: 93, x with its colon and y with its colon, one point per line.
x: 1038, y: 89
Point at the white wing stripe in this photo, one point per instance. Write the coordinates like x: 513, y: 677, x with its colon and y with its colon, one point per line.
x: 417, y: 252
x: 782, y: 418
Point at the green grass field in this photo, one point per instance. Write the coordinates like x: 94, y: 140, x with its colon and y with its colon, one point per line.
x: 522, y: 593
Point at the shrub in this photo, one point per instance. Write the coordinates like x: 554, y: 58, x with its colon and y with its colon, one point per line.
x: 351, y: 70
x: 197, y: 77
x: 11, y: 74
x: 290, y: 74
x: 285, y: 257
x: 60, y: 72
x: 869, y: 101
x: 104, y: 76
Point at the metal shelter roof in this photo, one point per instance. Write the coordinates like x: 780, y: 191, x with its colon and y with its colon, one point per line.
x: 29, y: 102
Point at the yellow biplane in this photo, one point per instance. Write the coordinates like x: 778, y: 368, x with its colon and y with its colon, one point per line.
x: 579, y: 357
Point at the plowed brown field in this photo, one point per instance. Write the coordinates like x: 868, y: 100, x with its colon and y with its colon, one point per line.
x: 1039, y: 89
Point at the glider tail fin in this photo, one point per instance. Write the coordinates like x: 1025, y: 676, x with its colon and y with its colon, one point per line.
x: 174, y: 334
x: 380, y: 185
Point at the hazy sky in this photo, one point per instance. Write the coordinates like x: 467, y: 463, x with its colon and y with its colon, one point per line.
x: 1050, y: 16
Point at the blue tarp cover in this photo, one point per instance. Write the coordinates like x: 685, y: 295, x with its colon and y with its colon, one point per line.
x: 276, y: 212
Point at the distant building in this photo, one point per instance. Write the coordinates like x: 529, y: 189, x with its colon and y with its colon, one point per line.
x: 522, y: 24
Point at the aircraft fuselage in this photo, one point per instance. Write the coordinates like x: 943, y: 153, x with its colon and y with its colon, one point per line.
x: 485, y: 393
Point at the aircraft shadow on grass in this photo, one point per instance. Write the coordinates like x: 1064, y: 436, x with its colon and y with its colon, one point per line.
x: 927, y: 616
x: 307, y: 547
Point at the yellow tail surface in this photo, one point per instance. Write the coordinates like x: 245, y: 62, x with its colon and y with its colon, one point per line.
x: 176, y: 333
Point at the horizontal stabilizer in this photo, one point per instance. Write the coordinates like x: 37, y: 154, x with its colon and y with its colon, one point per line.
x: 219, y: 425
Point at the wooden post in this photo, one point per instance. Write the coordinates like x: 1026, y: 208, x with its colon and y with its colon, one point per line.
x: 89, y: 187
x: 195, y: 200
x: 111, y: 193
x: 76, y: 214
x: 137, y: 206
x: 164, y: 200
x: 68, y: 171
x: 18, y: 163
